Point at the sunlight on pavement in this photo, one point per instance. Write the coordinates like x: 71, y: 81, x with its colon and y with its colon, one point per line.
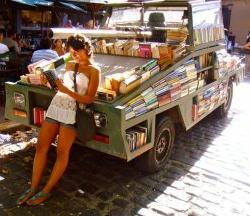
x: 221, y: 174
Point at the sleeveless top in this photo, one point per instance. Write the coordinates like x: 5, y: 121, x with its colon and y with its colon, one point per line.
x: 63, y: 107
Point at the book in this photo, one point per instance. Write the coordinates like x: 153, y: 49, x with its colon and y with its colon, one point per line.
x: 145, y: 50
x: 105, y: 94
x: 129, y: 83
x: 51, y: 77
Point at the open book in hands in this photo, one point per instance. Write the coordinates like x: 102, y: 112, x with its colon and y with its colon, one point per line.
x: 51, y: 77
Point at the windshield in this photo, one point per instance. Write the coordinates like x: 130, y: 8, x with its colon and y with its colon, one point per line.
x: 125, y: 16
x: 172, y: 17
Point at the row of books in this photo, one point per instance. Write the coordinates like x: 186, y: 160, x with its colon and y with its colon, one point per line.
x: 38, y: 115
x: 208, y: 99
x: 179, y: 83
x: 204, y: 60
x: 208, y: 33
x: 122, y: 83
x: 145, y: 50
x: 136, y: 137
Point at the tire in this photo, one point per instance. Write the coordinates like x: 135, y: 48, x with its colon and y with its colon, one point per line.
x: 157, y: 157
x: 221, y: 111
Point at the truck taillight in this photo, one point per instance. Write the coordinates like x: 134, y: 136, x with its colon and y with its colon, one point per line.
x: 19, y: 99
x: 102, y: 138
x: 100, y: 120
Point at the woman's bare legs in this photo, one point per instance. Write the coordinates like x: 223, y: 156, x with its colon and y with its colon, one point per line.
x: 46, y: 136
x: 65, y: 140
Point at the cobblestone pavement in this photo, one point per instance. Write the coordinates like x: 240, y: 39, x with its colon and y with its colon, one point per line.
x: 207, y: 175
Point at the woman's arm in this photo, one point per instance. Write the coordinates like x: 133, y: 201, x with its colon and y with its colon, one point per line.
x: 89, y: 97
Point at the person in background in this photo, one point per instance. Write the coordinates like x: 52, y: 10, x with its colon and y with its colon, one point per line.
x: 44, y: 51
x: 89, y: 24
x: 3, y: 47
x: 79, y: 26
x: 61, y: 117
x: 58, y: 47
x: 10, y: 42
x: 65, y: 19
x: 69, y: 23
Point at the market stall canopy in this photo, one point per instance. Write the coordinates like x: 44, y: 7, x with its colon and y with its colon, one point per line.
x: 43, y: 3
x: 25, y: 2
x: 72, y: 6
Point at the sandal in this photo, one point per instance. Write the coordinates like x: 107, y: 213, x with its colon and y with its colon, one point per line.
x: 25, y: 196
x: 38, y: 198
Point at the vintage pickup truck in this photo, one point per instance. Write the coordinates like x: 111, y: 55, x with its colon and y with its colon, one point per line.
x: 182, y: 78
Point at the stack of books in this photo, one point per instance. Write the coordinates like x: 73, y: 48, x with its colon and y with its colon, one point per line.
x: 179, y: 50
x: 179, y: 83
x: 136, y: 137
x: 166, y: 56
x: 176, y: 36
x: 38, y: 115
x: 208, y: 99
x: 135, y: 107
x: 44, y: 65
x: 123, y: 83
x: 225, y: 63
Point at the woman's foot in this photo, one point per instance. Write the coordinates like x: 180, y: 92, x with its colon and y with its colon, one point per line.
x: 25, y: 196
x: 39, y: 198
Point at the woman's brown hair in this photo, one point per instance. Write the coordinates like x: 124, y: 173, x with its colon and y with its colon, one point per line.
x: 80, y: 42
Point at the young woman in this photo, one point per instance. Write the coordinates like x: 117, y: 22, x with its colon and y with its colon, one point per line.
x: 58, y: 47
x: 60, y: 119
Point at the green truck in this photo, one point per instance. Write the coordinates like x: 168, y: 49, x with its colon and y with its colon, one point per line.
x: 140, y: 124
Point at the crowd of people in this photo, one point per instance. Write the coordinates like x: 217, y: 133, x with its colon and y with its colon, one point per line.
x: 46, y: 49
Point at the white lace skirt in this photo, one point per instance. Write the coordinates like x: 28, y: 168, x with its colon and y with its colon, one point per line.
x: 62, y: 108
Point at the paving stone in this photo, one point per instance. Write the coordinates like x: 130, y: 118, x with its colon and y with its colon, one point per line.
x: 199, y: 202
x: 19, y: 211
x: 67, y: 186
x: 161, y: 209
x: 102, y: 205
x: 120, y: 202
x: 105, y: 195
x: 119, y: 212
x: 142, y: 201
x: 88, y: 187
x: 121, y: 190
x: 147, y: 212
x: 90, y: 212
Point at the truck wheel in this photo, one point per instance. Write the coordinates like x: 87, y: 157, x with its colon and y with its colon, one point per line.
x: 157, y: 157
x: 222, y: 110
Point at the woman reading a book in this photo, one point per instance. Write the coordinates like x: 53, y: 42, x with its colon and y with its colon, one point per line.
x: 60, y: 118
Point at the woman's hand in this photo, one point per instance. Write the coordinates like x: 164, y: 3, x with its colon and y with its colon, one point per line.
x: 62, y: 88
x: 43, y: 79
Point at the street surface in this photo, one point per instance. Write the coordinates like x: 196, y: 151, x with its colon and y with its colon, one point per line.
x: 207, y: 175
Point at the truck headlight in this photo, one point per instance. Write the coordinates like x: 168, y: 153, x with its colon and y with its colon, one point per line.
x: 100, y: 120
x: 19, y: 99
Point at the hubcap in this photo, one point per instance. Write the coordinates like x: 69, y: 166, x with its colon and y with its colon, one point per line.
x: 163, y: 145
